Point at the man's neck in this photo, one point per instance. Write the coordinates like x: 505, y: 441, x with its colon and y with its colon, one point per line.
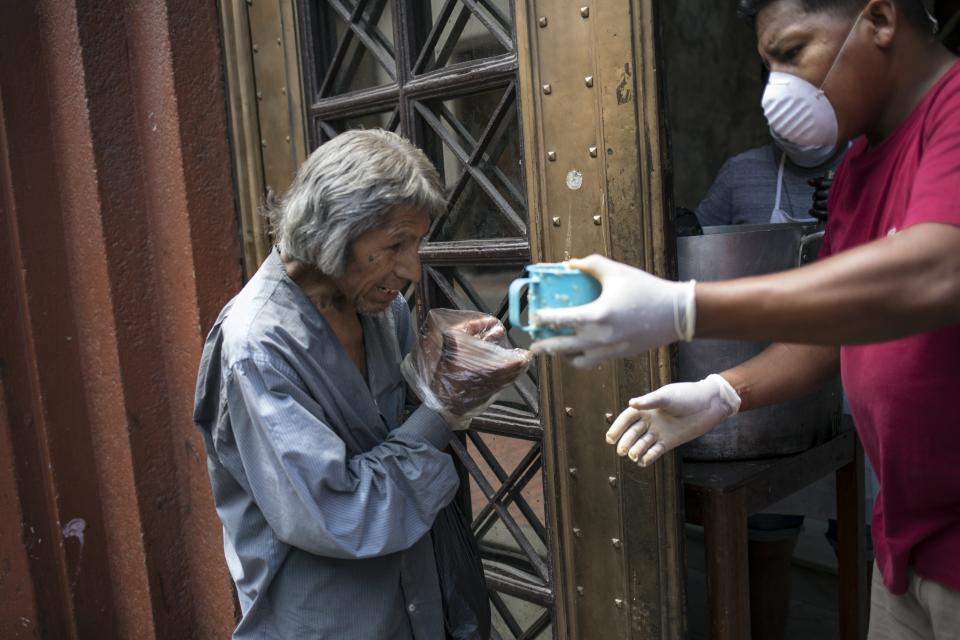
x: 320, y: 288
x: 918, y: 69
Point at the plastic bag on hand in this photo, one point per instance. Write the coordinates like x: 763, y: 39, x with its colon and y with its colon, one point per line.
x: 462, y: 361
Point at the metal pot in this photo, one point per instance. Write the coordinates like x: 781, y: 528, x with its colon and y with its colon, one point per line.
x: 728, y: 252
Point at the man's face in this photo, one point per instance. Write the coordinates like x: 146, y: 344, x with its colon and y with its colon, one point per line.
x: 384, y: 260
x: 805, y: 44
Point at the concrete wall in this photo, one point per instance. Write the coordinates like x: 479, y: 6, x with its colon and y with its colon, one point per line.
x: 118, y: 246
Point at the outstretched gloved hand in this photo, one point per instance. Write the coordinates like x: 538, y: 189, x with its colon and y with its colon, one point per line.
x: 635, y: 312
x: 670, y: 416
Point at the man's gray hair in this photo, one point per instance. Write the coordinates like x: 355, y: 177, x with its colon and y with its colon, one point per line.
x: 348, y: 186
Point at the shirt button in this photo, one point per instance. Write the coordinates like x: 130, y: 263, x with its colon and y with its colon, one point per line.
x: 412, y: 608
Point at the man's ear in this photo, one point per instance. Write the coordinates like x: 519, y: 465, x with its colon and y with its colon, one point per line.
x: 884, y: 20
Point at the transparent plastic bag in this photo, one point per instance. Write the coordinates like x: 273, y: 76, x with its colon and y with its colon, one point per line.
x: 462, y: 360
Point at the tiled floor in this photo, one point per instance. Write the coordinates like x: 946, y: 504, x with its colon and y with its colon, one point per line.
x: 813, y: 606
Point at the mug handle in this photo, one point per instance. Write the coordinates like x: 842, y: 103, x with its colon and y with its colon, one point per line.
x: 514, y: 301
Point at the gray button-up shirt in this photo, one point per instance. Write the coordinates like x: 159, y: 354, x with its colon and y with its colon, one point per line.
x: 745, y: 189
x: 326, y: 499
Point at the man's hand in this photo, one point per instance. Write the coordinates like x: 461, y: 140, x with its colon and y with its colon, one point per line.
x: 635, y: 312
x: 670, y: 416
x: 471, y: 371
x: 462, y: 360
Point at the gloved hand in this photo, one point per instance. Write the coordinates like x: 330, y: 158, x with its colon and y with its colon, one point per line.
x: 821, y: 193
x: 462, y: 361
x: 670, y: 416
x: 635, y: 312
x: 685, y: 223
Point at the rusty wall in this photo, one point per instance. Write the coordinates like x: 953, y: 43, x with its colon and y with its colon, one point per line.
x: 118, y: 245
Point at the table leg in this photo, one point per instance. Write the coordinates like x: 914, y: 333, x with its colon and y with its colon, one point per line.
x: 728, y: 588
x: 852, y: 582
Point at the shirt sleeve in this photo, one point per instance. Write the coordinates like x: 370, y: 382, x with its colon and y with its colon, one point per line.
x: 716, y: 208
x: 936, y: 189
x: 312, y: 492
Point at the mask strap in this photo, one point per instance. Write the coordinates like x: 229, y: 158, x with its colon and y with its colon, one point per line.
x: 846, y: 41
x: 783, y: 161
x: 928, y: 9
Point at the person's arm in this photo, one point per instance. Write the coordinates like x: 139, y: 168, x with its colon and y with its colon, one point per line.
x: 889, y: 288
x: 677, y: 413
x: 782, y: 372
x: 903, y: 284
x: 897, y: 286
x: 313, y: 493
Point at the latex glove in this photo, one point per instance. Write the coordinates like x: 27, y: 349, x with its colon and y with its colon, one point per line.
x: 670, y: 416
x: 635, y: 312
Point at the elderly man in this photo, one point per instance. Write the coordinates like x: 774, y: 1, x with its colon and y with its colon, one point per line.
x: 327, y: 494
x: 882, y: 306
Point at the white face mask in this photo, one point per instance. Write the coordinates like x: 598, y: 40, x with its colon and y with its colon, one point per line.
x: 806, y: 156
x: 800, y: 112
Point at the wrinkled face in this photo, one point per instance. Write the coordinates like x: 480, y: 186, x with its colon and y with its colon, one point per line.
x: 384, y: 260
x: 793, y: 40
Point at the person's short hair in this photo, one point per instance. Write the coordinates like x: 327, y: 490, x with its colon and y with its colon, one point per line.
x: 916, y: 12
x: 347, y: 186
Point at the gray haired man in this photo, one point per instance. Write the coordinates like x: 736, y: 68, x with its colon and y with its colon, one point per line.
x: 326, y: 492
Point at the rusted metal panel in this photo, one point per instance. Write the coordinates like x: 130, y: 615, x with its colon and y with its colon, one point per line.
x: 16, y: 581
x: 48, y: 437
x: 118, y: 249
x: 594, y: 166
x: 194, y: 268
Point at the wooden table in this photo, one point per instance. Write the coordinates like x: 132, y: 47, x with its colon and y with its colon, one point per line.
x: 720, y: 495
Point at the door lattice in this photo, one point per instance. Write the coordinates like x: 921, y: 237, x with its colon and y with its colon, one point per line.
x: 443, y: 73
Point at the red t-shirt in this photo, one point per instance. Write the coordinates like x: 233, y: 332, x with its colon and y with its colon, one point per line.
x: 905, y: 394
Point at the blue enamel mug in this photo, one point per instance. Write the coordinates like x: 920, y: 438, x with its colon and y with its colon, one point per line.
x: 551, y: 285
